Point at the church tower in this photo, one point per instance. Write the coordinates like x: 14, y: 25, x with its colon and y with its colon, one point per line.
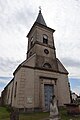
x: 41, y: 43
x: 41, y: 75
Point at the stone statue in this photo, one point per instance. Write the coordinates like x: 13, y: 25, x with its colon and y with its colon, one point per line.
x: 54, y: 114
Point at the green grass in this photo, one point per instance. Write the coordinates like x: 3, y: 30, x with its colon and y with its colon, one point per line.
x: 4, y: 115
x: 34, y: 116
x: 65, y: 116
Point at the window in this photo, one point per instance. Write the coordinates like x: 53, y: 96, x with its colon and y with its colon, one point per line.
x: 31, y: 41
x: 15, y: 89
x: 46, y: 51
x: 30, y: 54
x: 45, y: 39
x: 47, y: 65
x: 8, y: 94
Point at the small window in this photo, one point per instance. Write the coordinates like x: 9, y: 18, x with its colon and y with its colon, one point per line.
x: 30, y: 54
x: 8, y: 94
x: 45, y: 39
x: 31, y: 41
x: 15, y: 89
x: 47, y: 65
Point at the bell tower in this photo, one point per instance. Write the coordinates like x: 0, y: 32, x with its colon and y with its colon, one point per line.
x: 41, y: 43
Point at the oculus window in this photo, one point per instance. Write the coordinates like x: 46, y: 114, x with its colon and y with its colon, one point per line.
x: 46, y: 51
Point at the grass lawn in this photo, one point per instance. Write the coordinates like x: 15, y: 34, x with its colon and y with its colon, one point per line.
x: 4, y: 115
x: 65, y: 116
x: 34, y: 116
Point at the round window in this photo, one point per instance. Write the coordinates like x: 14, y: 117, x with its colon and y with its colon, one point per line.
x: 46, y: 51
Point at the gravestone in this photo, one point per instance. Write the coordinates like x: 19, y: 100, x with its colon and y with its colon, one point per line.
x: 54, y: 114
x: 14, y: 115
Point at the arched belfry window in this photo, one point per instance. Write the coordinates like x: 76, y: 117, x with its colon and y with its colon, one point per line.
x: 47, y: 65
x: 45, y: 39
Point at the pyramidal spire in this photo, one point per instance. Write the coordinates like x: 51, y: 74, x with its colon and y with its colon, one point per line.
x: 40, y: 18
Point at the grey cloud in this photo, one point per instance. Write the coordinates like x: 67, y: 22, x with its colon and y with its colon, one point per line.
x: 8, y: 64
x: 3, y: 5
x: 70, y: 62
x: 24, y: 16
x: 15, y: 15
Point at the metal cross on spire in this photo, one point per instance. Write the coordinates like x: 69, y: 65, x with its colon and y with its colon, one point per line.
x: 40, y: 9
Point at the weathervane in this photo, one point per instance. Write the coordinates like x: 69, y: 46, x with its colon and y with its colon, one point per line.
x: 40, y: 9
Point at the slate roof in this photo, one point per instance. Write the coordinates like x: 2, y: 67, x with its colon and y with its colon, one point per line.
x: 40, y: 19
x: 40, y: 22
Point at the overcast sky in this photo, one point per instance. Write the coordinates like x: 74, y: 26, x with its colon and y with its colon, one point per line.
x: 16, y: 19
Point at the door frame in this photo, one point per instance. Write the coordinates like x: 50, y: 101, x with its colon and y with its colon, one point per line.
x: 50, y: 87
x: 43, y: 81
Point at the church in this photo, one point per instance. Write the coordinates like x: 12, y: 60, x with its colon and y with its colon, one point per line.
x: 40, y: 76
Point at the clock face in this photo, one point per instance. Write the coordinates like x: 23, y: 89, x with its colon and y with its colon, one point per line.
x: 46, y: 51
